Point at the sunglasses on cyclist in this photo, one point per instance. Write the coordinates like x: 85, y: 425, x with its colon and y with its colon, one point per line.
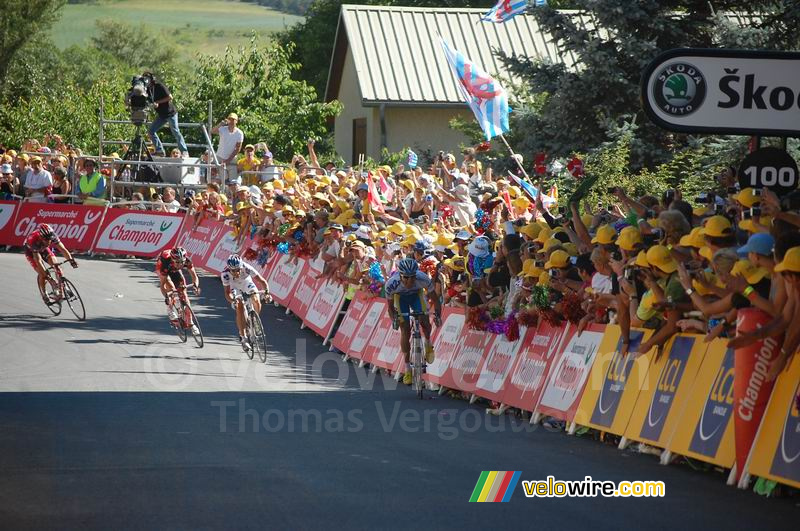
x: 407, y: 277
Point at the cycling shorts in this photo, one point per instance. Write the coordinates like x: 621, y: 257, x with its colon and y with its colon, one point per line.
x: 245, y: 286
x: 46, y: 255
x: 177, y: 279
x: 410, y: 302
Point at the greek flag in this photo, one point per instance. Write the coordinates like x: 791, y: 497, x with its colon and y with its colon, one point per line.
x: 487, y: 99
x: 506, y: 10
x: 412, y: 159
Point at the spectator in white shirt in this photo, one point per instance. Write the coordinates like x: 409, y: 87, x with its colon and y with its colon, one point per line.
x: 38, y: 181
x: 170, y: 203
x: 230, y: 143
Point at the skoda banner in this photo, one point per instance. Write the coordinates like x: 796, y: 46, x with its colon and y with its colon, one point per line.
x: 724, y: 91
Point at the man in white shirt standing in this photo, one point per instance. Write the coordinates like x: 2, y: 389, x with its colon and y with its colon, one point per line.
x: 38, y: 182
x: 170, y: 203
x: 230, y: 143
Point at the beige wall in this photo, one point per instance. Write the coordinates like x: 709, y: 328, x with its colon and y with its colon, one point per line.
x: 419, y: 128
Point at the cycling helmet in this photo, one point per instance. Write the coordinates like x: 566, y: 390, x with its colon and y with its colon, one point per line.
x: 46, y: 231
x: 179, y: 254
x: 407, y: 267
x: 234, y: 261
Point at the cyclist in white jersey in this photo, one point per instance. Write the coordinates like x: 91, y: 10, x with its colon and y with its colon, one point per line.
x: 241, y: 277
x: 409, y: 290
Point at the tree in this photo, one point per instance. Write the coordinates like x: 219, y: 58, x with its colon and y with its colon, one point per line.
x: 598, y: 101
x: 21, y: 21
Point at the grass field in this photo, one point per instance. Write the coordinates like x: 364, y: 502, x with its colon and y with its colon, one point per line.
x: 194, y: 26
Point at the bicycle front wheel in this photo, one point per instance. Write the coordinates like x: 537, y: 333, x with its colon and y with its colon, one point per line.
x: 74, y: 300
x: 416, y: 364
x: 258, y: 340
x: 198, y: 337
x: 180, y: 327
x: 49, y: 294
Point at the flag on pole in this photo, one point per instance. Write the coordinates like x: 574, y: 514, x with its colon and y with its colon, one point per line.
x: 532, y: 191
x: 505, y: 10
x: 412, y: 159
x: 484, y: 95
x: 373, y: 196
x: 387, y: 192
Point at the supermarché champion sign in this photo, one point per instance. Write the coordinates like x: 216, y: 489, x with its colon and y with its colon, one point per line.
x: 694, y: 90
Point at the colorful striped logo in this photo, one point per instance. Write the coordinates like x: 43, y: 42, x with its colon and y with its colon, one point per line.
x: 494, y: 486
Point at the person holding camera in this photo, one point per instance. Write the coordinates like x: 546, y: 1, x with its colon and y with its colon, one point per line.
x: 230, y: 143
x: 167, y: 114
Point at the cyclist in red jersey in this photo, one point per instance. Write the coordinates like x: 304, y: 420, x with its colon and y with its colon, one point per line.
x: 38, y: 245
x: 169, y: 267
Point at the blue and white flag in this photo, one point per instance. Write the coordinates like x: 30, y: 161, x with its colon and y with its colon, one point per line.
x: 412, y: 159
x: 505, y: 10
x: 484, y: 95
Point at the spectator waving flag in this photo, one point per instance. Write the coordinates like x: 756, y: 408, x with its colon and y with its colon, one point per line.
x: 412, y: 159
x: 484, y: 95
x: 506, y: 10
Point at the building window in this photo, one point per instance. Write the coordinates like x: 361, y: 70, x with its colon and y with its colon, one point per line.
x: 359, y: 138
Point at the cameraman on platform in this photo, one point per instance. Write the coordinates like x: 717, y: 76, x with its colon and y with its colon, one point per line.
x: 167, y: 113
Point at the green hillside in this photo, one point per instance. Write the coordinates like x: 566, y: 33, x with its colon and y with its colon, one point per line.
x: 204, y: 26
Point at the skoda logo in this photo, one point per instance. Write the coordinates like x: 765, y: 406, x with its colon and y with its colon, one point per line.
x: 679, y: 89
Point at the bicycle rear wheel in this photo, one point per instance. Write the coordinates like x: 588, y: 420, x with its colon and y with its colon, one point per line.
x: 180, y: 326
x: 258, y: 340
x: 416, y: 364
x: 198, y: 337
x: 74, y: 300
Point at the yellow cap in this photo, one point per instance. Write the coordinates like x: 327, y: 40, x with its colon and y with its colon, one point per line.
x: 544, y: 279
x: 521, y: 203
x: 531, y: 230
x: 514, y: 191
x: 529, y: 269
x: 408, y: 183
x: 641, y: 259
x: 277, y: 184
x: 700, y: 288
x: 747, y: 198
x: 790, y: 262
x: 442, y: 240
x: 456, y: 263
x: 398, y: 228
x: 693, y: 239
x: 750, y: 225
x: 551, y: 242
x: 571, y: 248
x: 706, y: 253
x: 559, y: 260
x: 717, y: 226
x: 605, y: 234
x: 660, y: 257
x: 587, y: 219
x: 410, y: 240
x: 544, y: 235
x: 629, y: 238
x: 749, y: 271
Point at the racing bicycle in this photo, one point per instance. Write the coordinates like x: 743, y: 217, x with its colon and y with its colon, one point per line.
x: 254, y: 328
x: 186, y: 318
x: 57, y: 289
x: 418, y: 363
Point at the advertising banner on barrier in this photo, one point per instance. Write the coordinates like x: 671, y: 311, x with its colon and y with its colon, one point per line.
x: 776, y: 452
x: 388, y: 355
x: 497, y: 364
x: 382, y: 328
x: 217, y: 259
x: 705, y: 429
x: 284, y: 277
x: 529, y: 373
x: 568, y: 377
x: 201, y: 240
x: 304, y: 290
x: 465, y: 368
x: 76, y: 225
x: 751, y: 389
x: 446, y: 342
x: 614, y: 383
x: 375, y: 309
x: 347, y: 330
x: 663, y: 398
x: 324, y: 308
x: 137, y: 232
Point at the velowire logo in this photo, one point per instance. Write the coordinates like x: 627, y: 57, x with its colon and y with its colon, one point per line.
x: 680, y: 89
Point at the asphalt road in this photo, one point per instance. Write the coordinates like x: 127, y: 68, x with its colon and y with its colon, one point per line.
x: 112, y: 424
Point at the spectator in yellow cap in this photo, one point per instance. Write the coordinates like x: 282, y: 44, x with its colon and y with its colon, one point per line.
x: 718, y: 233
x: 250, y: 164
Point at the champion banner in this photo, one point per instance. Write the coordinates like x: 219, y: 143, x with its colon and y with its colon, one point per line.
x: 305, y: 288
x: 138, y: 233
x: 484, y: 95
x: 284, y: 277
x: 200, y: 240
x: 350, y: 323
x: 498, y: 363
x: 367, y: 327
x: 446, y: 342
x: 75, y: 225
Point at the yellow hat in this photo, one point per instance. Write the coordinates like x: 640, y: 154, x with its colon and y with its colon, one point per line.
x: 571, y: 248
x: 268, y: 186
x: 413, y: 230
x: 750, y: 225
x: 410, y: 240
x: 544, y: 279
x: 531, y: 230
x: 408, y: 183
x: 456, y: 263
x: 345, y: 192
x: 514, y: 191
x: 641, y: 260
x: 749, y: 271
x: 747, y: 198
x: 521, y: 203
x: 629, y: 238
x: 544, y: 235
x: 558, y: 260
x: 706, y: 253
x: 398, y: 228
x: 277, y: 184
x: 551, y: 242
x: 325, y: 180
x: 385, y: 168
x: 442, y: 240
x: 659, y: 256
x: 605, y: 234
x: 790, y: 262
x: 700, y: 288
x: 587, y: 219
x: 700, y: 211
x: 693, y: 239
x: 717, y: 226
x: 290, y: 175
